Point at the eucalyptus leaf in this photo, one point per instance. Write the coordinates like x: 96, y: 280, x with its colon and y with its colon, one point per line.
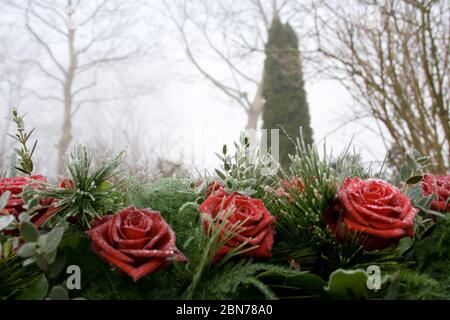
x: 57, y: 266
x: 53, y: 239
x: 27, y: 250
x: 414, y: 192
x: 50, y: 257
x: 6, y: 221
x: 41, y: 261
x: 405, y: 172
x: 59, y: 293
x: 4, y: 199
x: 28, y: 231
x: 29, y: 261
x: 24, y: 217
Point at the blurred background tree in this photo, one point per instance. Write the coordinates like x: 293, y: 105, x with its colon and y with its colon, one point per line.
x: 393, y: 56
x: 232, y: 34
x: 71, y: 45
x: 285, y: 104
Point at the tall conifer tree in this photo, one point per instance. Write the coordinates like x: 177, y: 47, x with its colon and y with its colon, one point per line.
x: 283, y: 90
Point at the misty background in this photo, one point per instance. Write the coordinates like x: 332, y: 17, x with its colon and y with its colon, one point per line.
x: 138, y: 89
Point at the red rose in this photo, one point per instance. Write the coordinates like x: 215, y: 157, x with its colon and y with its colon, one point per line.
x: 137, y: 241
x: 67, y: 184
x: 439, y: 186
x: 213, y: 187
x: 258, y: 223
x: 16, y: 185
x: 375, y: 208
x: 295, y: 184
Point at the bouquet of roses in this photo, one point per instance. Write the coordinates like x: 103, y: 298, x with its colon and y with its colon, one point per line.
x: 325, y: 228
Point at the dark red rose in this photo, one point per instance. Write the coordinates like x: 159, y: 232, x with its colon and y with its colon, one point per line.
x: 137, y: 241
x: 439, y: 187
x: 258, y: 223
x: 16, y: 185
x: 373, y: 207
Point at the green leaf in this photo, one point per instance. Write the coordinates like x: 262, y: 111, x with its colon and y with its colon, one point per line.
x: 299, y: 279
x: 36, y: 292
x: 27, y: 250
x: 29, y: 261
x: 405, y: 172
x: 59, y: 293
x: 29, y: 232
x: 50, y: 258
x: 53, y: 239
x: 57, y: 266
x: 4, y: 200
x: 220, y: 174
x: 414, y: 192
x: 5, y: 221
x: 414, y: 179
x: 41, y: 261
x: 404, y: 245
x: 348, y: 284
x: 105, y: 186
x: 394, y: 287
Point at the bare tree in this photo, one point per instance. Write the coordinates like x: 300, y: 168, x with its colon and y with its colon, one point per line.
x: 393, y: 57
x: 79, y: 42
x: 233, y: 33
x: 12, y: 93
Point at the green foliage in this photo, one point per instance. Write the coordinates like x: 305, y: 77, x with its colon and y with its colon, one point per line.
x: 245, y: 279
x: 37, y: 291
x: 411, y: 172
x: 7, y: 219
x: 201, y: 277
x: 25, y: 155
x: 283, y: 90
x: 348, y: 284
x: 40, y: 249
x: 245, y: 171
x: 419, y: 286
x: 431, y: 276
x: 14, y: 278
x: 92, y: 195
x: 302, y: 237
x: 170, y: 196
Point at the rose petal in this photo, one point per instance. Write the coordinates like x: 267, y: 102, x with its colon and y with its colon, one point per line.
x: 97, y: 235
